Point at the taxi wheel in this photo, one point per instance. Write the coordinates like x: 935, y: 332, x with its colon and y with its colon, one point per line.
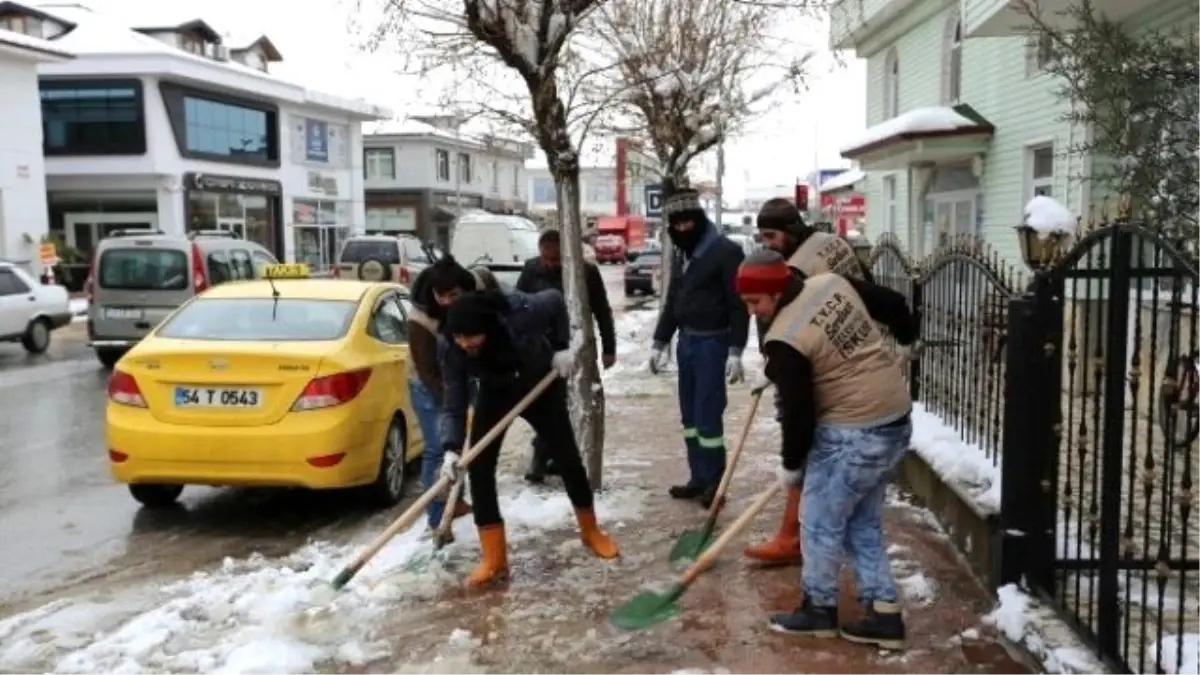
x: 156, y: 496
x: 388, y: 488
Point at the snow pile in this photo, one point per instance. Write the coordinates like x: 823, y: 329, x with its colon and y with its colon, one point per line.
x: 1048, y: 216
x: 260, y: 615
x: 1168, y: 651
x: 843, y: 180
x: 960, y: 464
x: 631, y: 375
x: 1025, y: 621
x: 915, y: 586
x: 917, y: 120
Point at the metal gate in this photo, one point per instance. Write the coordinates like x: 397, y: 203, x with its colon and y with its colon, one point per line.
x: 1101, y: 425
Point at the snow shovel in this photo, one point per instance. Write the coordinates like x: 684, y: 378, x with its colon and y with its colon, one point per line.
x: 443, y: 535
x: 691, y: 543
x: 649, y: 607
x: 413, y: 512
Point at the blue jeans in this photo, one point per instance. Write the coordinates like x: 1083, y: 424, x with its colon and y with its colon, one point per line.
x: 844, y: 490
x: 701, y: 361
x: 426, y: 407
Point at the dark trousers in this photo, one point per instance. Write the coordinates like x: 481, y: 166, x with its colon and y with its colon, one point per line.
x: 701, y: 361
x: 541, y: 464
x: 550, y: 420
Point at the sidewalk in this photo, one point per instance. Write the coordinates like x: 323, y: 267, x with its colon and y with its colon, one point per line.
x: 551, y: 616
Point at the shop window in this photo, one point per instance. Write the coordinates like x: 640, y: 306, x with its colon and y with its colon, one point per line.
x: 94, y: 117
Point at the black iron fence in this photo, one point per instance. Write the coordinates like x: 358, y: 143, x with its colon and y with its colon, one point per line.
x: 1083, y: 385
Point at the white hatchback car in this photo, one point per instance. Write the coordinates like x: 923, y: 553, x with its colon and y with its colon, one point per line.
x: 29, y: 310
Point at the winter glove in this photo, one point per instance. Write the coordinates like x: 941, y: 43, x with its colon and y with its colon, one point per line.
x: 734, y: 372
x: 563, y: 363
x: 790, y: 478
x: 911, y: 352
x: 658, y: 358
x: 759, y: 384
x: 450, y: 467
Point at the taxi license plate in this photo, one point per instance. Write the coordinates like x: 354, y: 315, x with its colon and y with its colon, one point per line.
x: 217, y: 397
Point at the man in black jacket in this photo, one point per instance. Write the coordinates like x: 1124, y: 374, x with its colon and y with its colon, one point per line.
x: 544, y: 272
x: 507, y: 343
x: 846, y: 424
x: 703, y: 306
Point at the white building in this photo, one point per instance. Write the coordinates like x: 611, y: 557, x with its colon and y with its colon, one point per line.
x: 169, y: 126
x: 420, y: 171
x: 22, y: 181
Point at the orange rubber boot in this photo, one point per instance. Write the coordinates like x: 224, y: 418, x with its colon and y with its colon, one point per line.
x: 493, y: 562
x: 593, y: 537
x: 784, y: 547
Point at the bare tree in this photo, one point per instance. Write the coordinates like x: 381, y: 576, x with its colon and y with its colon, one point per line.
x: 1136, y: 91
x: 513, y: 61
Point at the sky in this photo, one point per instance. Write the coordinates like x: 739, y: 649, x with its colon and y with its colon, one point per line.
x: 322, y: 50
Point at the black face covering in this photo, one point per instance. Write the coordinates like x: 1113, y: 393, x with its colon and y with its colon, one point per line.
x: 687, y: 241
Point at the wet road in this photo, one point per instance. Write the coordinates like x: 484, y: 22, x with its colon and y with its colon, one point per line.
x: 64, y: 524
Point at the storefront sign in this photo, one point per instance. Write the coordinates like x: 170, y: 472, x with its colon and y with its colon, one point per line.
x: 470, y: 201
x: 391, y: 219
x: 320, y: 184
x: 218, y: 183
x: 316, y: 140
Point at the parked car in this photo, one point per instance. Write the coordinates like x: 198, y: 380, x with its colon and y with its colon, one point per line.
x: 381, y: 257
x: 481, y: 237
x: 29, y: 310
x: 640, y: 274
x: 139, y: 276
x: 610, y: 249
x: 294, y: 383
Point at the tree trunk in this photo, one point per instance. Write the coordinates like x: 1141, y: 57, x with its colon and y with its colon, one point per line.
x: 586, y: 391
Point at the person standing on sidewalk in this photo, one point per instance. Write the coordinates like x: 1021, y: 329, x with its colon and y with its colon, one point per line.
x: 846, y: 423
x: 424, y: 372
x: 703, y: 306
x: 544, y: 272
x: 507, y: 343
x: 810, y: 252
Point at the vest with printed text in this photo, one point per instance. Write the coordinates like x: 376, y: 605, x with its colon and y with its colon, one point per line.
x: 824, y: 252
x: 858, y: 381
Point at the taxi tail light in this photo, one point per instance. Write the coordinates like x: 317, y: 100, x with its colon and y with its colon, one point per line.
x: 199, y: 280
x: 123, y: 389
x: 332, y: 390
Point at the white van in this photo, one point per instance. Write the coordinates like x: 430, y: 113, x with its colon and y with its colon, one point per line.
x: 484, y: 238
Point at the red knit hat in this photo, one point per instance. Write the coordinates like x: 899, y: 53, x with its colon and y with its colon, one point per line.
x: 763, y: 272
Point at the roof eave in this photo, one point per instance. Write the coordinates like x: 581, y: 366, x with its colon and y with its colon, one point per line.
x: 973, y: 130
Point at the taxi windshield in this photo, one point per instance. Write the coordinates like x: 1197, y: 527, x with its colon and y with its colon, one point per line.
x: 284, y: 320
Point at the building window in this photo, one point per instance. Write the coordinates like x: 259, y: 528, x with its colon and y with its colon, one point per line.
x: 464, y: 167
x: 95, y: 117
x: 25, y: 25
x: 246, y: 216
x: 191, y: 45
x: 1041, y: 53
x: 379, y: 164
x: 953, y: 72
x: 442, y: 159
x: 600, y: 191
x: 495, y: 176
x: 889, y: 200
x: 891, y: 85
x: 226, y: 129
x: 543, y: 191
x: 1040, y: 179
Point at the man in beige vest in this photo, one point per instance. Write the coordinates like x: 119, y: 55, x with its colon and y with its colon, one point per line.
x: 810, y: 252
x: 845, y: 422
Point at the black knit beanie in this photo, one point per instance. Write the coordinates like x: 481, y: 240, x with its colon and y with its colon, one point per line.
x: 780, y: 214
x: 475, y: 313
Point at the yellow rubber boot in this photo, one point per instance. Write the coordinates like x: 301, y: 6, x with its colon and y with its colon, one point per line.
x: 493, y: 561
x: 784, y: 547
x: 593, y: 537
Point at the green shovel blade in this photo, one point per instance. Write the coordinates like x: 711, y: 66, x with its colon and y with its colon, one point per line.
x: 420, y: 562
x: 691, y: 544
x: 647, y: 609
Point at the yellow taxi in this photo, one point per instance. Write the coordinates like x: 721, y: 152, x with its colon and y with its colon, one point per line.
x: 285, y: 381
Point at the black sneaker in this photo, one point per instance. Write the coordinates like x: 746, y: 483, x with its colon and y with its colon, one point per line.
x: 881, y: 626
x: 808, y: 620
x: 688, y: 491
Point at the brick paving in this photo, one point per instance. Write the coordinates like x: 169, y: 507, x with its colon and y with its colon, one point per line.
x: 551, y: 615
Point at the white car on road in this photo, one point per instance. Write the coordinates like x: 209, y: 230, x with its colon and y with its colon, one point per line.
x: 29, y: 310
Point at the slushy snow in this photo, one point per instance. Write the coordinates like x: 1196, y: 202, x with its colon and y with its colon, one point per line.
x: 961, y: 464
x: 1025, y: 621
x: 1047, y: 216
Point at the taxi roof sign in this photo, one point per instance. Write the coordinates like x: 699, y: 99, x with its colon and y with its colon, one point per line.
x: 286, y: 271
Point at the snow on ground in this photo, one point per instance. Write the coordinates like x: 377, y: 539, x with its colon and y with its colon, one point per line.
x: 268, y: 615
x: 960, y: 464
x: 1169, y: 651
x: 631, y: 374
x: 1026, y: 621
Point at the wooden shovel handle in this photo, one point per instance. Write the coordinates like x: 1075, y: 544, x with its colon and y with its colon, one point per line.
x: 727, y: 477
x: 412, y: 513
x: 451, y: 504
x: 743, y: 521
